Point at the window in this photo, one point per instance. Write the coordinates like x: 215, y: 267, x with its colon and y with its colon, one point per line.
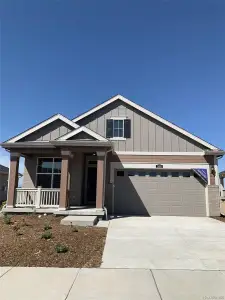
x: 163, y: 174
x: 118, y: 128
x: 186, y: 174
x: 152, y: 174
x: 175, y: 174
x: 142, y: 173
x: 49, y: 172
x: 120, y: 173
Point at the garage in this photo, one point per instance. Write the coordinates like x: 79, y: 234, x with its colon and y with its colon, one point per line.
x: 159, y: 192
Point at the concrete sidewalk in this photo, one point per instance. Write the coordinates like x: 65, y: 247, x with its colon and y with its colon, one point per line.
x: 111, y: 284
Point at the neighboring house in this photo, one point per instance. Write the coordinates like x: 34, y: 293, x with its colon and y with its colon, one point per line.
x: 4, y: 172
x: 119, y: 156
x: 222, y: 176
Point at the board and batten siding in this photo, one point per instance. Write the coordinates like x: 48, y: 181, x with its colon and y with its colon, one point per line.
x: 50, y: 132
x: 147, y: 134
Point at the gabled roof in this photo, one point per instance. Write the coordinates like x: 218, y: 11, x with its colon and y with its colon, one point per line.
x: 149, y: 113
x: 40, y: 125
x: 82, y: 129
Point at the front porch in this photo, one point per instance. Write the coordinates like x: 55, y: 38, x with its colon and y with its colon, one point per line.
x: 59, y: 181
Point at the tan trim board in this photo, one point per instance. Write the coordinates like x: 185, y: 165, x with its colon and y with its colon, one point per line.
x: 147, y: 112
x: 160, y: 159
x: 160, y: 153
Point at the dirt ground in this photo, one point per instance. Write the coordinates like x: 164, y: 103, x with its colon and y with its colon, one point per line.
x: 22, y: 244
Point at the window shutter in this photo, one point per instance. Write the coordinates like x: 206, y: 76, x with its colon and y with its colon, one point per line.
x: 127, y: 128
x: 109, y: 128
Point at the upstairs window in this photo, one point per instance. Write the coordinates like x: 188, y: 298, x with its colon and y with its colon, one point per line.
x: 118, y: 128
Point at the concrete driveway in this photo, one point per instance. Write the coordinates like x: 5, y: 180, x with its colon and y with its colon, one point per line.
x: 187, y: 243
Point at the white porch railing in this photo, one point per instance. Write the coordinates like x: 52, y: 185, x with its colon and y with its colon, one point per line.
x: 37, y: 197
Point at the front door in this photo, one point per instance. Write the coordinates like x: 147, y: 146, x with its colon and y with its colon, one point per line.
x: 91, y: 183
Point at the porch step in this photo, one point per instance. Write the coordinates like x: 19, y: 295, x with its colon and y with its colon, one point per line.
x: 79, y: 220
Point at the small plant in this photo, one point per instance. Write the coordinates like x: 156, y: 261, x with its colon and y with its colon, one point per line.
x: 47, y: 227
x: 2, y: 205
x: 46, y: 235
x: 24, y: 223
x: 19, y: 233
x: 7, y: 219
x: 74, y: 229
x: 61, y: 248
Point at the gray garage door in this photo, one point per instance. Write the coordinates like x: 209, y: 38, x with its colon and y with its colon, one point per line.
x: 154, y: 192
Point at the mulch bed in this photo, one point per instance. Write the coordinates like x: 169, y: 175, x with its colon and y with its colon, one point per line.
x: 21, y: 243
x: 222, y: 219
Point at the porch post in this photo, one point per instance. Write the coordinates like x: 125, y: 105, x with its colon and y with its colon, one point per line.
x: 100, y: 180
x: 13, y: 178
x: 64, y: 180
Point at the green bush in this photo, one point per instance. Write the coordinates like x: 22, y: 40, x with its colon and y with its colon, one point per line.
x: 7, y: 219
x: 46, y: 235
x: 47, y: 227
x: 61, y: 248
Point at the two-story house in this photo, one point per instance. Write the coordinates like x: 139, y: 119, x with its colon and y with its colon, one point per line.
x: 119, y: 157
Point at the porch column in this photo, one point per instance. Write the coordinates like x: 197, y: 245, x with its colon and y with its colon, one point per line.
x: 13, y: 178
x: 100, y: 180
x: 64, y: 183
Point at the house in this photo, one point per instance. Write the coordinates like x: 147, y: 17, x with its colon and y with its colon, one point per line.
x: 222, y: 176
x: 119, y: 157
x: 4, y: 172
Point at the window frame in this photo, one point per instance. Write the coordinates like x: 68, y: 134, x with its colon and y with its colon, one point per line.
x: 52, y: 173
x: 122, y: 138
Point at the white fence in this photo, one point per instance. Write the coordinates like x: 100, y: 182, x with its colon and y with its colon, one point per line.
x: 37, y: 197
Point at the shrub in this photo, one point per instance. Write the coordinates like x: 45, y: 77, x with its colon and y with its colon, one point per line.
x: 61, y: 248
x: 46, y: 235
x: 74, y: 229
x: 2, y: 205
x: 7, y: 219
x: 47, y: 227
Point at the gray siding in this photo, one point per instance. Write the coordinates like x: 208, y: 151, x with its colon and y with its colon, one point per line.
x: 49, y: 132
x: 147, y: 134
x: 214, y: 200
x: 29, y: 175
x: 82, y: 136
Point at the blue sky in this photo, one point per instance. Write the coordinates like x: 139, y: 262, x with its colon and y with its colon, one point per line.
x: 67, y: 56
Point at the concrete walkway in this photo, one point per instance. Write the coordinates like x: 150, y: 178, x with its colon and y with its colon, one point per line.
x: 159, y: 243
x: 110, y: 284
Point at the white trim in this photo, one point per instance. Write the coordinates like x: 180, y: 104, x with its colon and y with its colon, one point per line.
x: 160, y: 153
x: 118, y: 118
x: 117, y: 139
x: 41, y: 125
x: 217, y: 177
x: 147, y: 112
x: 82, y: 129
x: 132, y: 165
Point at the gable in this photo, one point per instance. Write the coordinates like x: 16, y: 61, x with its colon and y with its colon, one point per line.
x: 82, y: 136
x: 147, y: 133
x: 46, y: 130
x: 148, y: 113
x: 49, y: 132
